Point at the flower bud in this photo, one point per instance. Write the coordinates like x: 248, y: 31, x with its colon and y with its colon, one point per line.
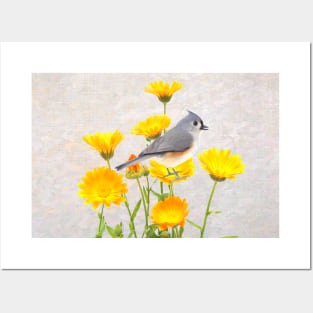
x: 134, y: 171
x: 165, y: 234
x: 217, y: 178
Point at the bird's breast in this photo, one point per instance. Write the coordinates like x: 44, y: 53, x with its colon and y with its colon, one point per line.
x: 172, y: 159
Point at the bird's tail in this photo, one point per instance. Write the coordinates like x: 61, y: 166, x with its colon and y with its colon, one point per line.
x: 131, y: 162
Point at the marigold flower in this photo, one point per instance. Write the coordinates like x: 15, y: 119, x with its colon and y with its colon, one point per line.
x: 163, y: 90
x: 136, y: 170
x: 152, y: 127
x: 105, y: 143
x: 220, y: 164
x: 184, y: 170
x: 102, y: 186
x: 170, y: 212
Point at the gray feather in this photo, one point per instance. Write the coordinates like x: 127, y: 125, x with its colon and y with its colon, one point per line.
x: 175, y: 140
x: 131, y: 162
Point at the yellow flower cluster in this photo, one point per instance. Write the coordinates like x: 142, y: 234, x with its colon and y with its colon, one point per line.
x: 104, y: 186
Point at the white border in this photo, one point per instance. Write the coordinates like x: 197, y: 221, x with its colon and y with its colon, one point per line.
x: 20, y: 250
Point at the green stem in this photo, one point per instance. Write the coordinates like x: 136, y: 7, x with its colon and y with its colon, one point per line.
x: 207, y: 212
x: 171, y: 189
x: 130, y: 215
x: 99, y: 233
x: 175, y: 231
x: 161, y: 188
x: 181, y: 231
x: 164, y: 112
x: 109, y: 164
x: 178, y: 231
x: 144, y: 202
x: 148, y: 194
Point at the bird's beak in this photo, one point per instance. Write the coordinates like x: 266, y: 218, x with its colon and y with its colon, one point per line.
x: 204, y: 127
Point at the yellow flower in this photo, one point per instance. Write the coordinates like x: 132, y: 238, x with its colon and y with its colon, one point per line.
x: 105, y: 143
x: 220, y: 164
x: 152, y: 127
x: 136, y: 170
x: 102, y: 186
x: 163, y: 90
x: 170, y: 212
x: 184, y: 170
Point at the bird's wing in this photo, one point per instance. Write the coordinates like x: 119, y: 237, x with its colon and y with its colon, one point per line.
x: 174, y: 140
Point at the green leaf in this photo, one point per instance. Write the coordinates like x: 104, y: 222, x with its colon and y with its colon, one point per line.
x: 161, y: 197
x: 102, y: 228
x: 118, y: 230
x: 164, y: 234
x: 150, y: 231
x: 230, y: 237
x: 194, y: 224
x: 214, y: 212
x: 136, y: 209
x: 111, y: 232
x: 156, y: 193
x: 164, y: 196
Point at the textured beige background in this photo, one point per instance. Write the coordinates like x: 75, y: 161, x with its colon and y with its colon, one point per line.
x: 241, y: 111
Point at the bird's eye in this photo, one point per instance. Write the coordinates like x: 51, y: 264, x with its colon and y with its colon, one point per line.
x: 195, y: 123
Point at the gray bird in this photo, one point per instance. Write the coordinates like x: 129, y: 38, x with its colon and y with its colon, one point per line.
x: 175, y: 146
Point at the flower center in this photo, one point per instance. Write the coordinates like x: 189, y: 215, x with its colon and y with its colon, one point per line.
x: 103, y: 192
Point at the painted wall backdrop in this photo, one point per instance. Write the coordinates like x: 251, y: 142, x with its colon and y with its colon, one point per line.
x: 241, y: 110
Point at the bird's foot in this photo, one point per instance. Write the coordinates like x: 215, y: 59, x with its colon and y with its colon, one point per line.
x: 174, y: 172
x: 179, y: 178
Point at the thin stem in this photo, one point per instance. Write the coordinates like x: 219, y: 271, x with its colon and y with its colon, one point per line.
x: 207, y: 212
x: 171, y: 189
x: 130, y: 215
x: 175, y: 231
x: 101, y: 218
x: 164, y: 112
x: 181, y: 231
x: 144, y: 202
x: 155, y: 180
x: 148, y: 194
x: 109, y: 164
x: 161, y: 187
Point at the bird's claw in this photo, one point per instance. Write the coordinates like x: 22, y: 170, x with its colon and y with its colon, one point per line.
x: 174, y: 172
x: 178, y: 178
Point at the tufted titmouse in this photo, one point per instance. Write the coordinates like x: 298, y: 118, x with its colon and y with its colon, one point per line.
x: 175, y: 146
